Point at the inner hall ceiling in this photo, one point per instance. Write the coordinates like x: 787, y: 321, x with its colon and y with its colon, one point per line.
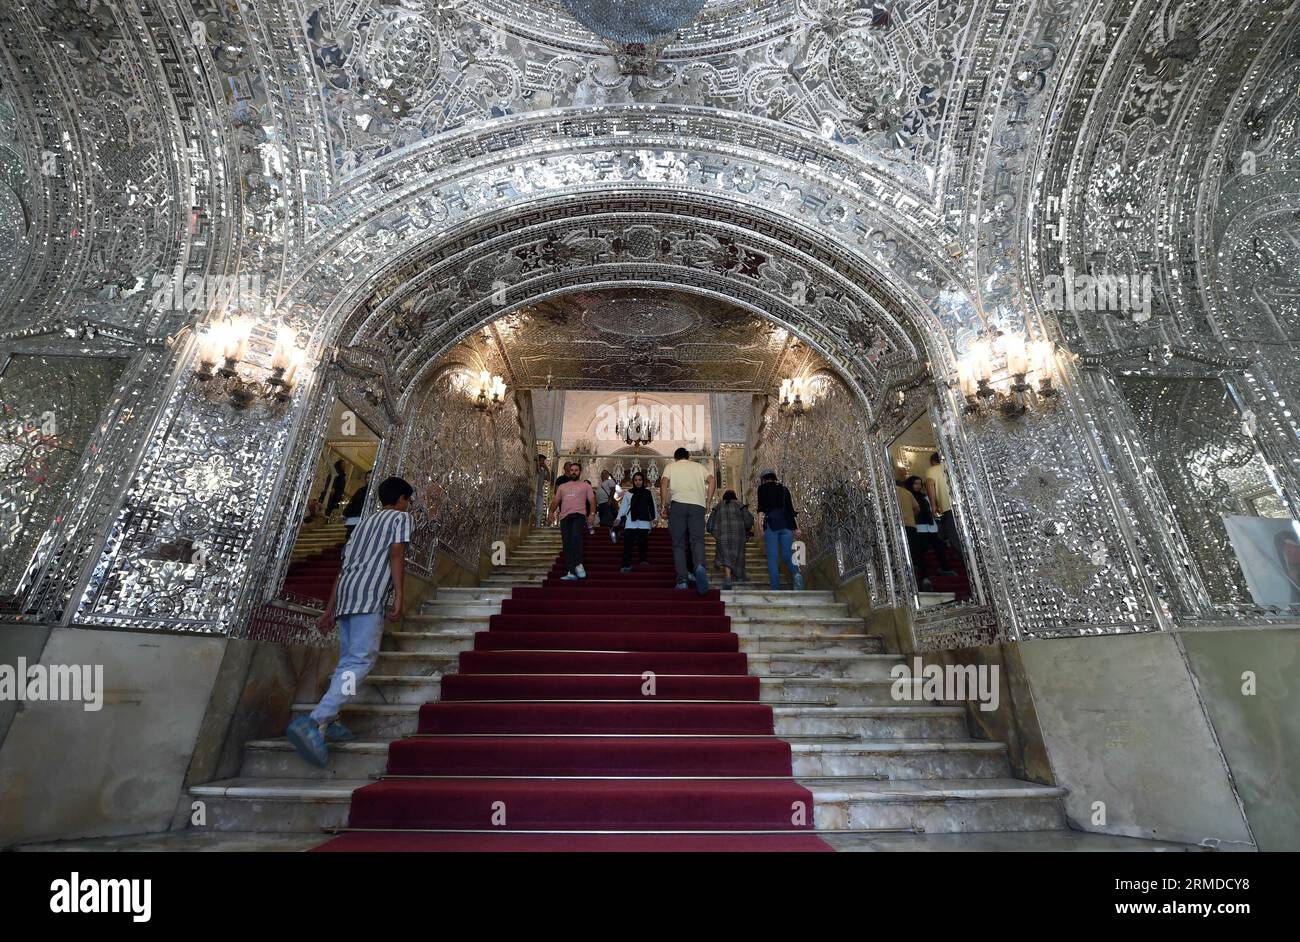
x: 962, y: 149
x: 647, y: 340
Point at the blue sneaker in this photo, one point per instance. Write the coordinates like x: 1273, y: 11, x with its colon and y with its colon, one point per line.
x: 680, y: 585
x: 337, y: 732
x: 701, y: 579
x: 305, y: 737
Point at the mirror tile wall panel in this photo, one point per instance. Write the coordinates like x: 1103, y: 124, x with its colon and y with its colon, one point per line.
x: 394, y: 178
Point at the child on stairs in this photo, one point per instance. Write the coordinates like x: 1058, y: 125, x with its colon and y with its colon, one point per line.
x: 373, y: 561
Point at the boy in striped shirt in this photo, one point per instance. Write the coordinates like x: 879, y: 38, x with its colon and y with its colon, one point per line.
x: 373, y: 562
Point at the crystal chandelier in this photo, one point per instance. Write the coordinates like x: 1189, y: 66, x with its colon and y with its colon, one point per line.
x: 635, y: 429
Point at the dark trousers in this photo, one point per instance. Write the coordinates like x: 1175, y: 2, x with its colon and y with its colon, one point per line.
x: 948, y: 530
x: 686, y: 526
x: 919, y: 545
x: 931, y: 541
x: 638, y: 538
x: 605, y: 513
x: 572, y: 528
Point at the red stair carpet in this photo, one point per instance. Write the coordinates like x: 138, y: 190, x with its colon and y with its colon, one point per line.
x: 547, y: 727
x: 314, y: 576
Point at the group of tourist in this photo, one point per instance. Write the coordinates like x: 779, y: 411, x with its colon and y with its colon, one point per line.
x: 926, y: 508
x: 685, y: 502
x: 374, y: 559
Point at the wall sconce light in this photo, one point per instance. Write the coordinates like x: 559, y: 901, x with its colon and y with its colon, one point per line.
x: 226, y: 343
x: 995, y: 373
x: 491, y: 393
x: 793, y: 397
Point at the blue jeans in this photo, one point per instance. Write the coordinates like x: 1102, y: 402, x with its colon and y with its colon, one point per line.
x: 359, y: 637
x: 778, y: 542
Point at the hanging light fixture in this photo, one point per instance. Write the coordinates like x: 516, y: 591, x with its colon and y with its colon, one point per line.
x: 491, y: 393
x: 222, y: 363
x: 635, y: 428
x: 995, y: 372
x: 793, y: 397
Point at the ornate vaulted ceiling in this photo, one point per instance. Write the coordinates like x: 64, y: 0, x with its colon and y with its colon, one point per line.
x: 647, y: 339
x: 943, y: 155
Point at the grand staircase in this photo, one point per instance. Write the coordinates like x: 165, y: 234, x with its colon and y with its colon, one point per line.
x: 527, y: 694
x: 317, y: 559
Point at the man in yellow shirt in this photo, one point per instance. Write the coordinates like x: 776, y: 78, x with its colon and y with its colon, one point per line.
x: 936, y: 488
x: 685, y: 494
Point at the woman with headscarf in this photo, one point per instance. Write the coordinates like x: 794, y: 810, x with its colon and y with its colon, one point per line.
x: 927, y: 529
x: 731, y: 523
x: 637, y: 513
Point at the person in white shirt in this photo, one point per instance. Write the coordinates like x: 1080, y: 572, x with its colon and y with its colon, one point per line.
x: 605, y: 506
x: 637, y: 512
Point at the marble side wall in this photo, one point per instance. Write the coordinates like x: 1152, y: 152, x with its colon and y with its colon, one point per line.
x: 118, y: 770
x: 256, y: 687
x: 1259, y: 731
x: 1124, y: 726
x: 27, y: 642
x: 1015, y: 720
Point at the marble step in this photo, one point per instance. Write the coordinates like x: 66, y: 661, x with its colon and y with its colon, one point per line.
x: 842, y: 803
x: 782, y: 597
x: 795, y: 627
x: 792, y: 609
x: 430, y: 642
x: 762, y: 604
x: 884, y: 760
x: 826, y: 656
x: 390, y: 720
x: 398, y: 689
x: 936, y: 806
x: 276, y: 758
x: 834, y: 691
x: 868, y: 666
x: 423, y: 688
x: 416, y: 663
x: 901, y: 759
x: 450, y: 621
x: 478, y: 619
x: 471, y: 594
x: 785, y: 644
x: 281, y: 805
x: 872, y: 722
x: 369, y: 721
x: 435, y: 608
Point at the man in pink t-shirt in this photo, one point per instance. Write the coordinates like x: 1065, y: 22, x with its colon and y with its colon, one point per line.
x: 576, y: 503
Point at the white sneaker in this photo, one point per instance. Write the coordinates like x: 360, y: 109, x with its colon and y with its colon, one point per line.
x: 568, y: 577
x: 582, y: 573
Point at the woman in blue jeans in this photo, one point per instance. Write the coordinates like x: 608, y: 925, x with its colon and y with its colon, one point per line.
x: 776, y: 515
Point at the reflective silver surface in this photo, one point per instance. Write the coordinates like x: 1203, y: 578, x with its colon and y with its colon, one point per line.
x: 397, y: 176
